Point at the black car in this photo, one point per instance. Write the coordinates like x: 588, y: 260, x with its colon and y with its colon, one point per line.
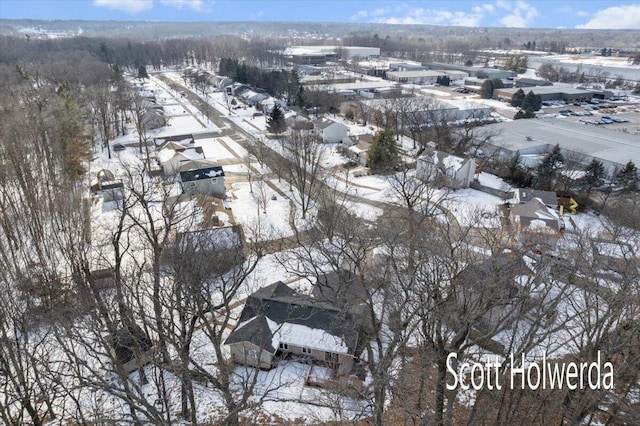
x: 118, y: 147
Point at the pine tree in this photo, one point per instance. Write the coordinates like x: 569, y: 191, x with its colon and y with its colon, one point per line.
x: 488, y: 86
x: 383, y: 152
x: 547, y: 170
x: 532, y: 102
x: 628, y: 177
x: 593, y: 173
x: 518, y: 98
x: 142, y: 72
x: 275, y: 122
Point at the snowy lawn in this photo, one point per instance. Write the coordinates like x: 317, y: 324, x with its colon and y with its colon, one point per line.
x: 493, y: 181
x: 214, y: 150
x: 474, y: 208
x: 249, y: 211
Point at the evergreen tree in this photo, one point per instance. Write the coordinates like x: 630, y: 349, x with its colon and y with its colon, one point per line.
x: 532, y: 102
x: 383, y: 153
x: 518, y: 98
x: 518, y: 173
x: 628, y: 177
x: 142, y: 72
x: 275, y: 122
x: 521, y: 64
x: 547, y: 170
x: 593, y: 173
x: 524, y: 113
x: 488, y: 86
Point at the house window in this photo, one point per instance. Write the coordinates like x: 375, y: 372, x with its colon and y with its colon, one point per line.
x: 330, y: 357
x: 306, y: 351
x: 214, y: 181
x: 250, y: 353
x: 284, y: 346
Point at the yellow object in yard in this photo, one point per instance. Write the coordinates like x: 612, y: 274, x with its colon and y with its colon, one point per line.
x: 567, y: 202
x: 573, y: 205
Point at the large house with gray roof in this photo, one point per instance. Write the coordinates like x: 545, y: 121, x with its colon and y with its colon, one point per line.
x: 277, y: 322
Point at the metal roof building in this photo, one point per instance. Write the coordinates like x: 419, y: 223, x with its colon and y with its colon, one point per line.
x: 538, y: 136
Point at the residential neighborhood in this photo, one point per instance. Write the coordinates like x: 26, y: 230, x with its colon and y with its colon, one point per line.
x: 307, y: 227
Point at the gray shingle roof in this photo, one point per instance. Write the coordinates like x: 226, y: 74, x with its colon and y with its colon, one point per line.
x: 282, y: 305
x: 198, y: 174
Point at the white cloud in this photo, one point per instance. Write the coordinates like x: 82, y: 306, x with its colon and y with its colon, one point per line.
x: 522, y: 13
x: 129, y: 6
x: 419, y: 16
x: 359, y: 15
x: 362, y: 14
x: 179, y: 4
x: 625, y: 17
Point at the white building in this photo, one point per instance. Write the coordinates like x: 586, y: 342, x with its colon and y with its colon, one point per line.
x: 458, y: 172
x: 330, y: 131
x: 171, y: 159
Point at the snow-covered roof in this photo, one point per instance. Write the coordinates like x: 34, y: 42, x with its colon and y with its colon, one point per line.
x: 303, y: 336
x: 277, y: 314
x: 199, y: 174
x: 188, y: 154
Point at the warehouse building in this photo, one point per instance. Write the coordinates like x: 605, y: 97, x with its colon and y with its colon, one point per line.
x: 548, y: 93
x: 533, y: 139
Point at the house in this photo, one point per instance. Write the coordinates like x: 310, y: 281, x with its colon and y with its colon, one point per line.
x: 359, y: 151
x: 252, y: 98
x: 268, y: 104
x: 207, y: 180
x: 523, y: 195
x: 458, y: 172
x: 487, y: 293
x: 277, y: 322
x: 330, y: 131
x: 153, y: 118
x: 184, y: 140
x: 209, y: 252
x: 534, y: 214
x: 132, y: 348
x: 174, y: 155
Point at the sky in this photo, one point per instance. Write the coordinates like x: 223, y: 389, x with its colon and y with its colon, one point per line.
x: 586, y: 14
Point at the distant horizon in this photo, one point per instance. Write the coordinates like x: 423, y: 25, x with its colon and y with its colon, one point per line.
x: 155, y: 21
x: 535, y: 14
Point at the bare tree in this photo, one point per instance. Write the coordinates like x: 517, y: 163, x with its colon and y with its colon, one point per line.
x: 304, y: 153
x: 262, y: 195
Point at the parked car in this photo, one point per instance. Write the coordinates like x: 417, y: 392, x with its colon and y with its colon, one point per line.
x: 119, y: 147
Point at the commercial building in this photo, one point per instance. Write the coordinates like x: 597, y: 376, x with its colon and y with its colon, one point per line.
x: 472, y: 71
x: 534, y: 138
x: 425, y: 76
x: 548, y: 93
x: 321, y: 54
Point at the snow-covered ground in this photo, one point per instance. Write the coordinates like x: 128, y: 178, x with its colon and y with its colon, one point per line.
x: 248, y: 209
x: 474, y: 208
